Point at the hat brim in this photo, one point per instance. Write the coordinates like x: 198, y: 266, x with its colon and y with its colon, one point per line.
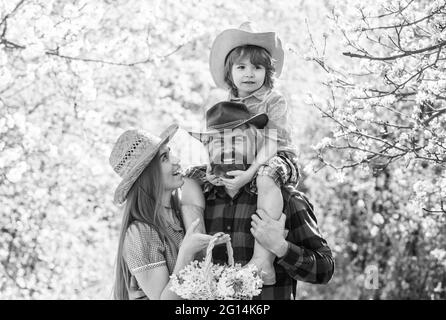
x: 127, y: 182
x: 259, y: 120
x: 233, y: 38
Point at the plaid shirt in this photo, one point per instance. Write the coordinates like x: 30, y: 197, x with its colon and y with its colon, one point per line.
x: 308, y: 259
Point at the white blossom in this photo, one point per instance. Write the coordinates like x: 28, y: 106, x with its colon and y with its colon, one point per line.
x: 5, y: 77
x: 15, y: 174
x: 33, y: 51
x: 226, y: 282
x: 378, y: 219
x: 439, y: 254
x: 374, y: 231
x: 322, y: 144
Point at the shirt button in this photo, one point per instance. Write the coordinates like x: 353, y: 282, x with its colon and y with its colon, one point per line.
x: 228, y: 228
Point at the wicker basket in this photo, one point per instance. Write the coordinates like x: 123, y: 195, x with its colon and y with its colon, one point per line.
x: 208, y: 281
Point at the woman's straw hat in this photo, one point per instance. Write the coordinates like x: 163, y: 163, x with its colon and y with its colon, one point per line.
x: 131, y: 154
x: 244, y: 35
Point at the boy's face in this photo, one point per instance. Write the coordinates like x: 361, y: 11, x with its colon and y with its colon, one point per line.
x: 247, y: 77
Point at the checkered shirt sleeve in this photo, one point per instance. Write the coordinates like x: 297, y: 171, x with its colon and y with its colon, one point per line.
x: 197, y: 173
x: 309, y: 258
x: 143, y: 248
x: 281, y: 169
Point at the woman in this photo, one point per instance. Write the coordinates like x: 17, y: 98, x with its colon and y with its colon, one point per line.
x: 152, y: 244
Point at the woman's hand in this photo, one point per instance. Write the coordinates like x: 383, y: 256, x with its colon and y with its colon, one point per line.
x: 194, y: 241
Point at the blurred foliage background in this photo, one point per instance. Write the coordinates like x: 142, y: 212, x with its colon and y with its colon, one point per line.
x: 370, y: 131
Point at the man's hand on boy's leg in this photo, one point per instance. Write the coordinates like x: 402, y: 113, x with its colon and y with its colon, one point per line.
x: 270, y: 233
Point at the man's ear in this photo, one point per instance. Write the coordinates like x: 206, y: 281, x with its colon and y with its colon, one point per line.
x: 206, y: 139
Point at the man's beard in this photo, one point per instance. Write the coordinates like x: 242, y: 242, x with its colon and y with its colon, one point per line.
x: 220, y: 170
x: 231, y: 153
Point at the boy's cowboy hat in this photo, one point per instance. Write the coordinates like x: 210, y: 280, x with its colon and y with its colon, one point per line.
x: 228, y: 115
x: 244, y: 35
x: 132, y: 153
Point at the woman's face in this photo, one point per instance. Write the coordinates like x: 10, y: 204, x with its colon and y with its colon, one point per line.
x: 170, y: 169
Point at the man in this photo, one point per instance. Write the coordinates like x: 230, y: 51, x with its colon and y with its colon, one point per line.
x: 301, y: 252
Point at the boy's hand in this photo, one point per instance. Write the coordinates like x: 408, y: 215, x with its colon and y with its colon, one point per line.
x: 216, y: 181
x: 240, y: 179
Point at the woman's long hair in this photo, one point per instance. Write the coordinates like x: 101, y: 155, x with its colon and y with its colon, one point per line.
x: 143, y: 205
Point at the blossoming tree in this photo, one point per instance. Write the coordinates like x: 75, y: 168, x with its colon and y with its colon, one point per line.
x: 387, y: 114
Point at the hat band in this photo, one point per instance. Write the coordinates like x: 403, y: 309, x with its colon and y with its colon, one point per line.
x: 227, y: 125
x: 127, y: 156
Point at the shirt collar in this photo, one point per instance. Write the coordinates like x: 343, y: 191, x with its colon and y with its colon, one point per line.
x: 258, y: 94
x: 211, y: 192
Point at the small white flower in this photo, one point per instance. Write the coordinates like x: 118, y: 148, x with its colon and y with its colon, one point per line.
x: 322, y: 144
x: 427, y: 134
x: 15, y: 174
x: 5, y: 77
x: 374, y: 231
x: 360, y: 203
x: 352, y: 128
x: 378, y: 219
x: 404, y: 136
x: 388, y: 101
x: 33, y: 51
x: 226, y: 282
x: 367, y: 116
x: 340, y: 176
x: 439, y: 254
x: 3, y: 58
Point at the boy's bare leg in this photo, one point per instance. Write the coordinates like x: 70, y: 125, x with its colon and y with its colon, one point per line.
x: 271, y: 201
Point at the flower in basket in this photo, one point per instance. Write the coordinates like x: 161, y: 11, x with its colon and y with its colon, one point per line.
x: 237, y: 283
x: 208, y: 281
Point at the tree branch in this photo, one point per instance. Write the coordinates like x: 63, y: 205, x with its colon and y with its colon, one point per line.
x: 404, y: 54
x: 405, y: 24
x: 132, y: 64
x: 436, y: 115
x: 12, y: 12
x: 400, y: 10
x: 442, y: 209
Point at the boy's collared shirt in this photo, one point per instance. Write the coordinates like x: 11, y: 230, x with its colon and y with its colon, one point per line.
x: 308, y: 259
x: 274, y: 105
